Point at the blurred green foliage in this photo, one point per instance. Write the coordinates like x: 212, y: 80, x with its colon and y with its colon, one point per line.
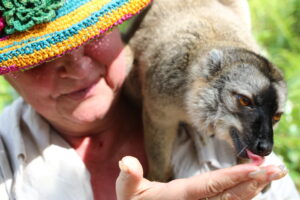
x: 7, y: 93
x: 276, y: 25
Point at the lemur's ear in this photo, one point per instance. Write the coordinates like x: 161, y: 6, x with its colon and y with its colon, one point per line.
x: 209, y: 65
x: 214, y: 62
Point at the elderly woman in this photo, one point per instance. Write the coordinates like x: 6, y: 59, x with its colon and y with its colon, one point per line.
x: 64, y: 136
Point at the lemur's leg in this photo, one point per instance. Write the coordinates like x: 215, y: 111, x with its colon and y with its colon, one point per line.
x: 159, y: 139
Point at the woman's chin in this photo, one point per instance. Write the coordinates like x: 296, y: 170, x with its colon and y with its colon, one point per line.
x: 94, y: 109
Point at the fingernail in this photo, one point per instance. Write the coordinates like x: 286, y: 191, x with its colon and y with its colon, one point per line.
x: 278, y: 175
x: 282, y: 167
x: 123, y: 167
x: 257, y: 173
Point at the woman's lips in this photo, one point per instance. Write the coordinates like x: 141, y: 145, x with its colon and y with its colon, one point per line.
x: 79, y: 94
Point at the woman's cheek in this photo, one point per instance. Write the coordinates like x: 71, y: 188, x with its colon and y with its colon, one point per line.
x: 116, y: 72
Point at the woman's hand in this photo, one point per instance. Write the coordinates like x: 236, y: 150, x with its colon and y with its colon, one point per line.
x: 235, y: 183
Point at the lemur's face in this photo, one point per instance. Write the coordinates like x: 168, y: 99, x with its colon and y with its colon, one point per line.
x: 257, y: 115
x: 243, y: 102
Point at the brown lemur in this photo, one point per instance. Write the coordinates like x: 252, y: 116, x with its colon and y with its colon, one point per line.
x: 195, y: 61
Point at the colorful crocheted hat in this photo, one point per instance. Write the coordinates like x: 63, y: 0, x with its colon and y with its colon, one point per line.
x: 34, y: 31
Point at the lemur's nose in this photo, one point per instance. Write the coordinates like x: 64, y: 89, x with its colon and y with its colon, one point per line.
x: 263, y: 147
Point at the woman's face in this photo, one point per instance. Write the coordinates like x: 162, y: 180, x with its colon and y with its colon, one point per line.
x: 76, y: 91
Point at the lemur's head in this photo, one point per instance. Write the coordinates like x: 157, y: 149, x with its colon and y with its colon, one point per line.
x: 238, y: 95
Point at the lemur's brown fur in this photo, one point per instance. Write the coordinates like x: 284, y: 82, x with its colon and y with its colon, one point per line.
x: 193, y: 60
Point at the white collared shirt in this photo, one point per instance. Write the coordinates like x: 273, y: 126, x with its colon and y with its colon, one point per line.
x: 36, y: 163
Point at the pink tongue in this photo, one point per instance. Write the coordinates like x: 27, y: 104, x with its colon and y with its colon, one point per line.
x: 256, y: 159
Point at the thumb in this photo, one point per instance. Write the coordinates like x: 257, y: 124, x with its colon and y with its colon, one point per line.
x: 129, y: 179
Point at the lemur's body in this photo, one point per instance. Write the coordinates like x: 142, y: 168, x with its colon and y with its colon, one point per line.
x: 195, y: 62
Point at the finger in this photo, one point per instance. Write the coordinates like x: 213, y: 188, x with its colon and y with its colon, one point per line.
x: 269, y: 173
x: 275, y: 172
x: 249, y: 189
x: 212, y: 183
x: 130, y: 184
x: 244, y: 191
x: 129, y: 179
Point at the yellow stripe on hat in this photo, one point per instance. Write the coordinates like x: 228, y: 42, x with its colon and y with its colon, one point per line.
x: 105, y: 22
x: 59, y: 24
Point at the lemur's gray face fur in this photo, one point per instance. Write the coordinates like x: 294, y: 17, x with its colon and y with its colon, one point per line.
x: 244, y: 100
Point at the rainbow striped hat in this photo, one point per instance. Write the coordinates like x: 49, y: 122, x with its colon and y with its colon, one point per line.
x: 34, y: 31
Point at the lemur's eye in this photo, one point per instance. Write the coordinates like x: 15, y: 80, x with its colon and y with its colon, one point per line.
x: 277, y: 117
x: 244, y: 101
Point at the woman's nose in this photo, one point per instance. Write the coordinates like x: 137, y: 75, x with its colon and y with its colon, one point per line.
x: 75, y: 65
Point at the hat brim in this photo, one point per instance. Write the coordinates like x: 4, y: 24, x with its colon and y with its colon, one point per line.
x: 77, y: 22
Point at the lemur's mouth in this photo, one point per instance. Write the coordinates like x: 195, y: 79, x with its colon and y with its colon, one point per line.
x: 243, y: 150
x: 256, y: 159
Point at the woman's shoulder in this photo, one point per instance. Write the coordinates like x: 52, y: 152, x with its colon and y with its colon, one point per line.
x: 13, y: 109
x: 5, y: 172
x: 13, y: 123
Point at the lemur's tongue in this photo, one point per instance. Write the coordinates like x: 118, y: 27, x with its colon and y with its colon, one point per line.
x: 256, y: 159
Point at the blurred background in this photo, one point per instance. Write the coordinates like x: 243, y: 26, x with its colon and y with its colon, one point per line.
x: 276, y: 25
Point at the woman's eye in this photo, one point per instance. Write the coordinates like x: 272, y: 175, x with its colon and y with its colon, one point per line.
x: 277, y: 117
x: 244, y: 101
